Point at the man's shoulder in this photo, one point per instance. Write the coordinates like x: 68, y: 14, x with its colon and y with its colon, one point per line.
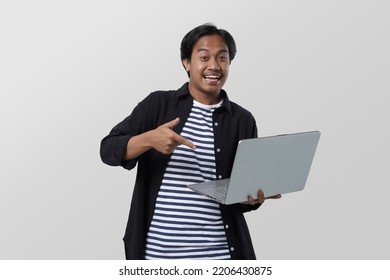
x: 240, y: 110
x: 162, y: 94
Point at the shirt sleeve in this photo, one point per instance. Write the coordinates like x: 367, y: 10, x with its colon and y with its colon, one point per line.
x: 246, y: 207
x: 114, y: 145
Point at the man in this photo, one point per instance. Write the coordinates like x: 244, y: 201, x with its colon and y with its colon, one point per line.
x: 181, y: 137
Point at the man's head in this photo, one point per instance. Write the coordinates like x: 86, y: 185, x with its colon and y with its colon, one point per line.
x: 194, y: 35
x: 206, y: 53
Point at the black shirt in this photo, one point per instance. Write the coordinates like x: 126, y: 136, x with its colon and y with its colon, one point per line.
x: 231, y: 123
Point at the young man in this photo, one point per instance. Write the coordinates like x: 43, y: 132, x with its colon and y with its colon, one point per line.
x: 180, y: 137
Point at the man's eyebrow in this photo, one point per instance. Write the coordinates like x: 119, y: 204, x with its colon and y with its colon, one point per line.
x: 220, y: 51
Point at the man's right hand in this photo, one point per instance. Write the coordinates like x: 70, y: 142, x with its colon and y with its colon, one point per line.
x: 165, y: 140
x: 162, y: 139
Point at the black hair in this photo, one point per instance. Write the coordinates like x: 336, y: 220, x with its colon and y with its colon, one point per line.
x: 195, y: 34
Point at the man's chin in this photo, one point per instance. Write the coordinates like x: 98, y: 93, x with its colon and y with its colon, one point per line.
x: 213, y: 87
x: 212, y: 91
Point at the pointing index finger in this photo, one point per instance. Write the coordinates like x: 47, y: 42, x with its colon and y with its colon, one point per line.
x: 180, y: 139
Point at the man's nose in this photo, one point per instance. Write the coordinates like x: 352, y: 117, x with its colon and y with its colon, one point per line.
x: 213, y: 64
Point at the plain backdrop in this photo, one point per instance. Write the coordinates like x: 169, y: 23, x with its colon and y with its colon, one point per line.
x: 71, y: 70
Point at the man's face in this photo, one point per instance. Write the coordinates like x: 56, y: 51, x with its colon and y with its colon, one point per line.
x: 208, y: 67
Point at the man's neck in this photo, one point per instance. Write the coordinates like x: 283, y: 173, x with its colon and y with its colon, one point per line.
x: 205, y: 98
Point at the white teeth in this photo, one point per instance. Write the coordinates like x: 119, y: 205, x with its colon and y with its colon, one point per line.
x: 212, y: 77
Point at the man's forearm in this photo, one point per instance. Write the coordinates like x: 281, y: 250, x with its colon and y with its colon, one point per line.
x: 137, y: 145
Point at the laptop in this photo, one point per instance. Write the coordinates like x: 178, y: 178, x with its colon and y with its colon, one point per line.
x: 275, y: 164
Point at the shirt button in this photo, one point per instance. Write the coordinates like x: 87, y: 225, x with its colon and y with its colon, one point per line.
x: 216, y: 124
x: 226, y: 226
x: 219, y: 176
x: 218, y: 150
x: 232, y: 249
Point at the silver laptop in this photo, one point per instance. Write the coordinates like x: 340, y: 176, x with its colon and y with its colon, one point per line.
x: 275, y: 164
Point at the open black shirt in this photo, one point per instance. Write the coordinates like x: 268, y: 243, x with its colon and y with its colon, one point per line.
x: 231, y: 123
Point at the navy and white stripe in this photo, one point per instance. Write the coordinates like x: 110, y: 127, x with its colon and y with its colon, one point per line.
x: 187, y: 225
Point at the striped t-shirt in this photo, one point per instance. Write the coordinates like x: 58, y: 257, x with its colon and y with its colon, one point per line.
x: 187, y: 225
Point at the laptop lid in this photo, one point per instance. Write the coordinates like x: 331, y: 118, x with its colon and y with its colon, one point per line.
x: 275, y: 164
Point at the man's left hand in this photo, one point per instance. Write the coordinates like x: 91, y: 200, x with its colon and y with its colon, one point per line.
x: 260, y: 198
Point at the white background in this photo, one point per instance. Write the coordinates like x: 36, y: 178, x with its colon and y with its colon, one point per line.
x: 71, y: 70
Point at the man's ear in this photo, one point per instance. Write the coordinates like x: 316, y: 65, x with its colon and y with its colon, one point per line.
x: 186, y: 64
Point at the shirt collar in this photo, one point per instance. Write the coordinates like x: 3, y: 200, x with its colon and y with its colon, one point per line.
x: 183, y: 91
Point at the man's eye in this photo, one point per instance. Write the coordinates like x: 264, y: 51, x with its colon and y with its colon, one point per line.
x: 204, y: 58
x: 222, y: 57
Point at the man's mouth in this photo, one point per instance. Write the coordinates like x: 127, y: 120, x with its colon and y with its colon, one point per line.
x: 212, y: 77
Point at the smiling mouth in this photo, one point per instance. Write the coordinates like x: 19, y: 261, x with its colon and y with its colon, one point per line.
x: 212, y: 77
